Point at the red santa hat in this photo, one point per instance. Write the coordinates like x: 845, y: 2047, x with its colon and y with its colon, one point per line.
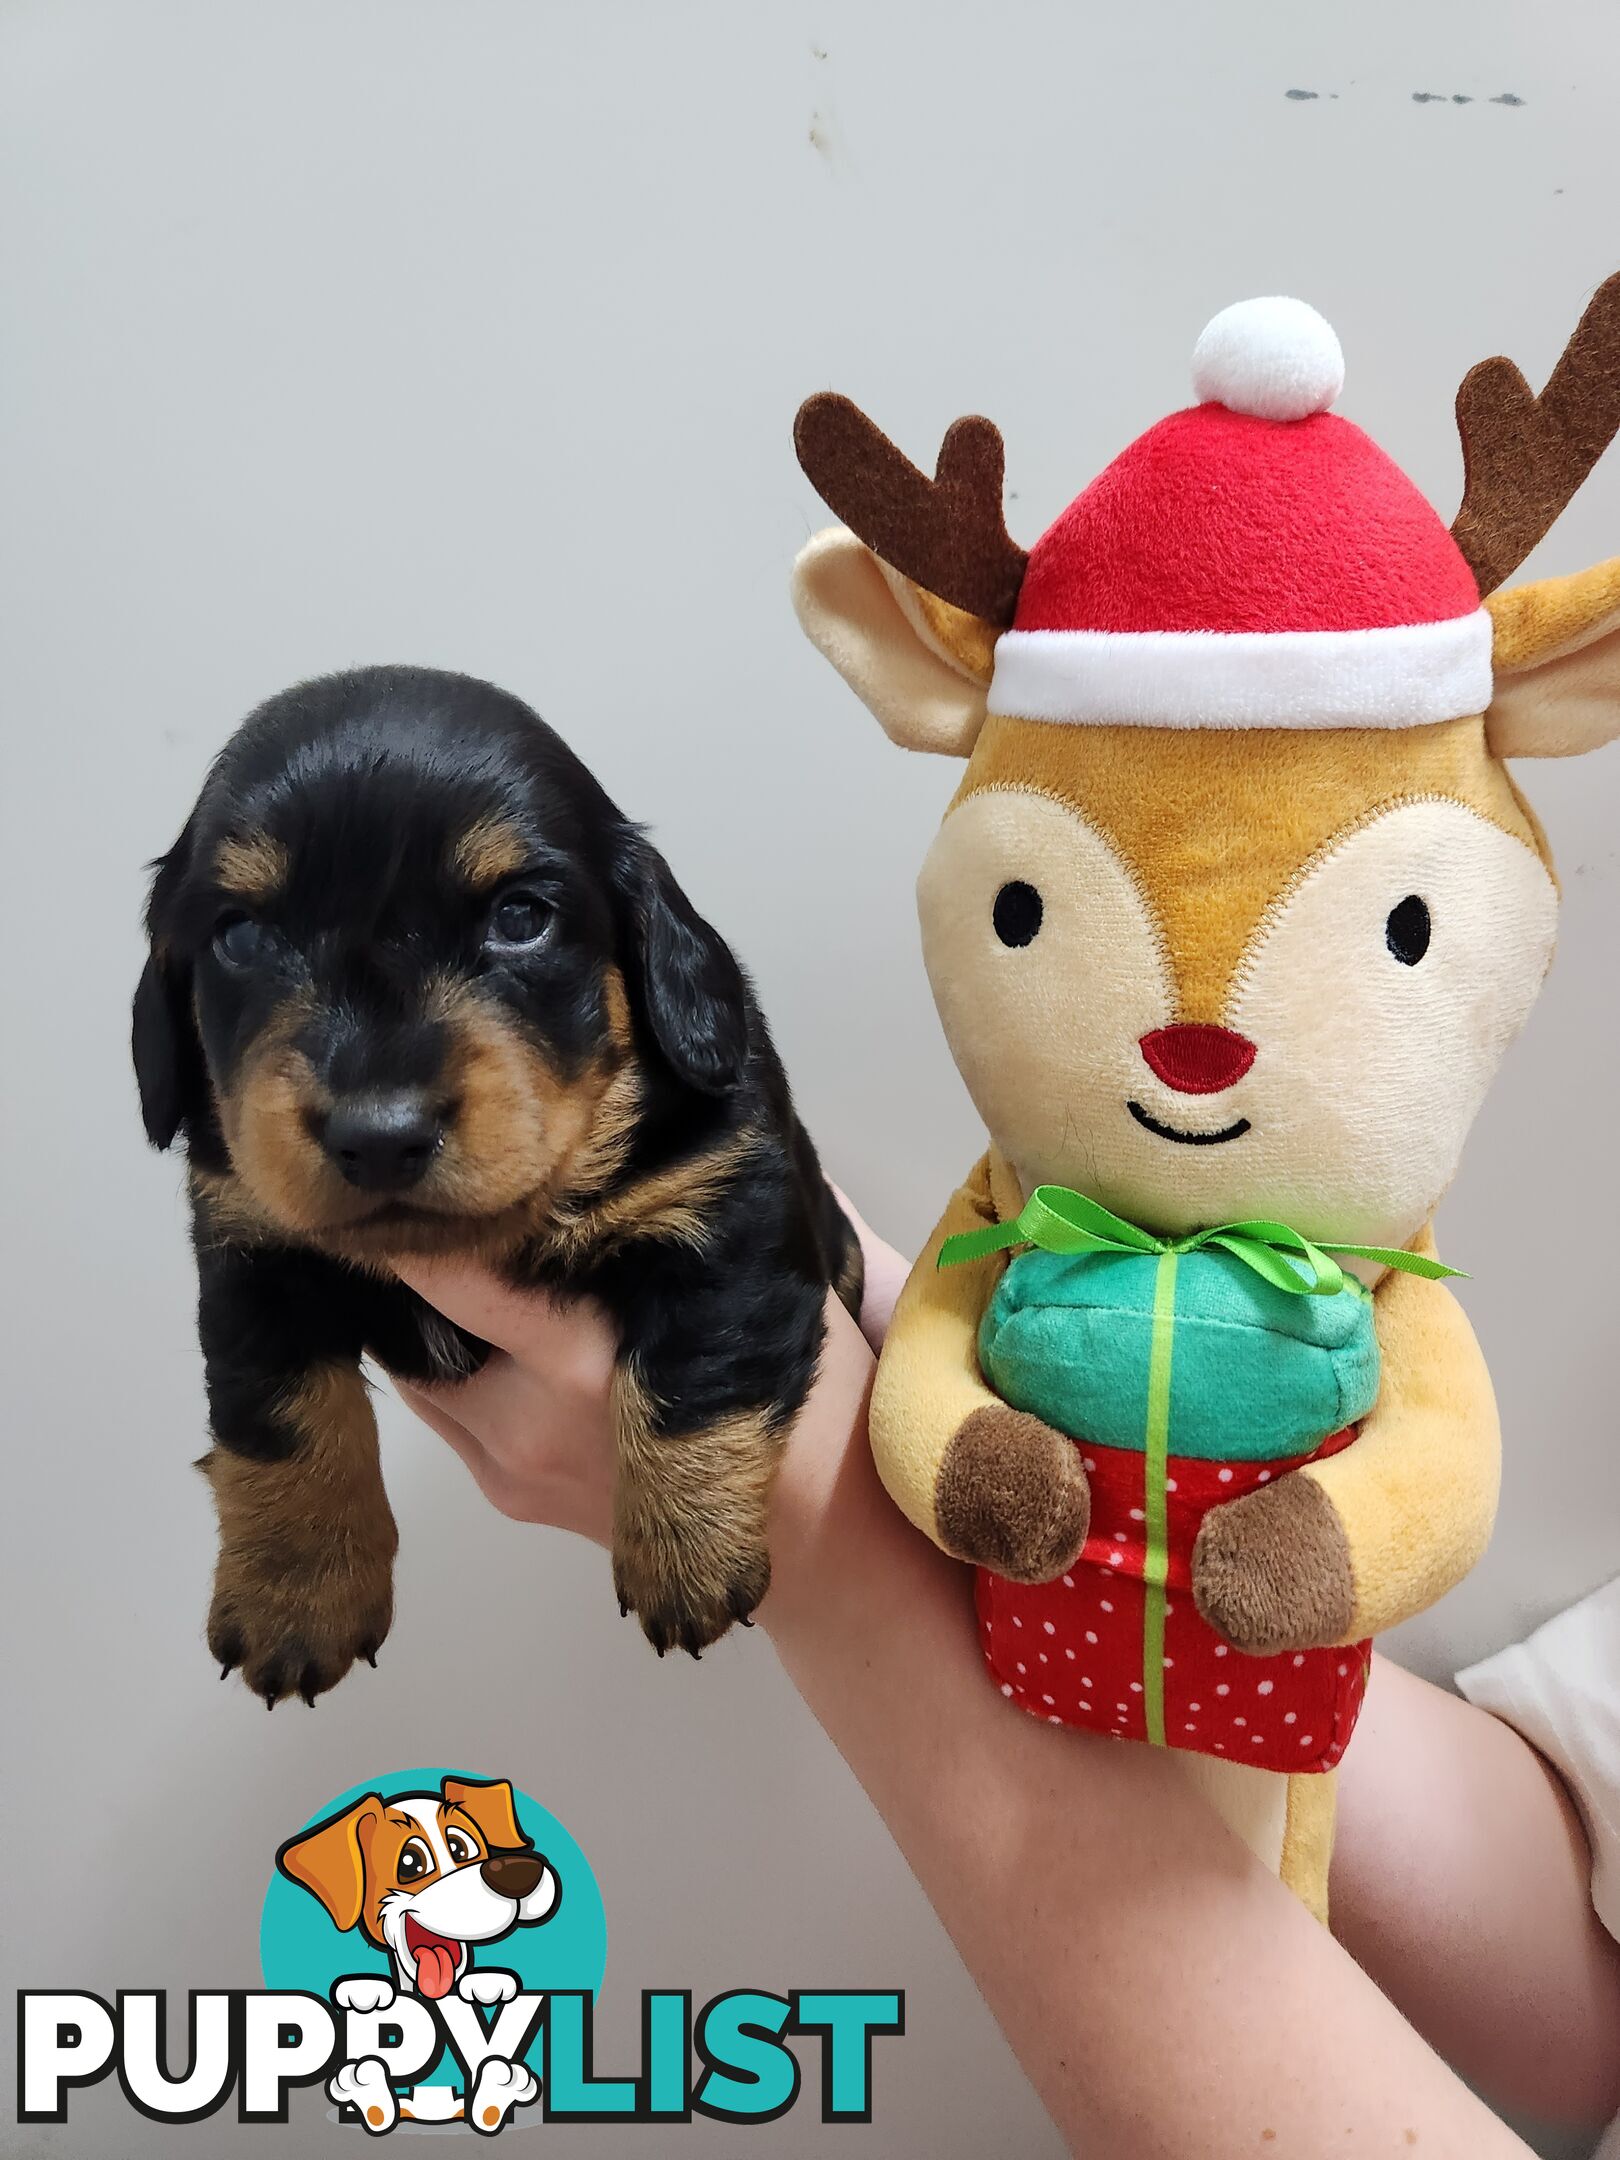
x: 1254, y: 561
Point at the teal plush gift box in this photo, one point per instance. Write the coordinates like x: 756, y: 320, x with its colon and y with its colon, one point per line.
x: 1254, y: 1372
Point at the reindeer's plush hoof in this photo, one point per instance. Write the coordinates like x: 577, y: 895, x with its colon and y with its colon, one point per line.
x: 1012, y: 1496
x: 1271, y: 1571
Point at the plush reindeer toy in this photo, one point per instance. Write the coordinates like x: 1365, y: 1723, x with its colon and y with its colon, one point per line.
x: 1229, y: 922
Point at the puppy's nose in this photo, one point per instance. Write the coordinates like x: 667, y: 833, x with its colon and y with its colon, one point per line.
x: 383, y: 1141
x: 512, y: 1874
x: 1195, y: 1059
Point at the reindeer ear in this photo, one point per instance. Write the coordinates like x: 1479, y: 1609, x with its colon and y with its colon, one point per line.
x: 1556, y: 656
x: 920, y: 665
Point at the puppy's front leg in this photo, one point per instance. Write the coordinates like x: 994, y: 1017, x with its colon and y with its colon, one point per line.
x: 703, y: 1400
x: 304, y: 1582
x: 689, y: 1515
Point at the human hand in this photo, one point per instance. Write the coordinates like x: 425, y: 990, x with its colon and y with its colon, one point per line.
x: 534, y: 1425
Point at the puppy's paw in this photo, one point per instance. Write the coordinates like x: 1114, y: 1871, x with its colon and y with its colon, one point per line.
x: 364, y: 1992
x: 364, y: 2086
x: 293, y: 1620
x: 487, y: 1987
x: 684, y: 1583
x: 501, y: 2087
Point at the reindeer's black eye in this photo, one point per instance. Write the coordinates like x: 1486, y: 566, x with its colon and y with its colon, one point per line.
x: 1408, y: 930
x: 1017, y: 913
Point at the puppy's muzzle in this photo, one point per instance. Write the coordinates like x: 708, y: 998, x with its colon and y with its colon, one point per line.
x: 382, y: 1141
x: 512, y: 1875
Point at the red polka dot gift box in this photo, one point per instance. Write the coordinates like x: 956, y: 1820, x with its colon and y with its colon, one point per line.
x: 1107, y: 1649
x: 1186, y: 1380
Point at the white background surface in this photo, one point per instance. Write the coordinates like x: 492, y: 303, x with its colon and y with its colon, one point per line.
x: 472, y: 334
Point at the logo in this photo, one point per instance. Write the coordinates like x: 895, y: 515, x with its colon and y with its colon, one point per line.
x: 432, y: 1946
x: 413, y: 1910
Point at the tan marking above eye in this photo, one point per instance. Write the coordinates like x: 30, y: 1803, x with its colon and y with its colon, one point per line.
x: 489, y: 850
x: 251, y: 866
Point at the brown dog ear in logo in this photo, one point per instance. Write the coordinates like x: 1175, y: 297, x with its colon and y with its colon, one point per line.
x: 490, y: 1806
x: 330, y: 1860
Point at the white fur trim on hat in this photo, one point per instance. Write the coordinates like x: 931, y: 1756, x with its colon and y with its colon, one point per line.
x: 1407, y: 676
x: 1276, y: 359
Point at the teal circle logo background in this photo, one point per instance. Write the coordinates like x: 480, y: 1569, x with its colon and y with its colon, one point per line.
x: 299, y: 1947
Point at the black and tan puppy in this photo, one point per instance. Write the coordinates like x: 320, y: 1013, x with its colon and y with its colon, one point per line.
x: 417, y: 986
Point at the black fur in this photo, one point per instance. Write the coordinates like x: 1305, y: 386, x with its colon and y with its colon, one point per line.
x: 363, y: 782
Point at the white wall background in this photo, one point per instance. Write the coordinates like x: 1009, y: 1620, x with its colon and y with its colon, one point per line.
x: 470, y: 332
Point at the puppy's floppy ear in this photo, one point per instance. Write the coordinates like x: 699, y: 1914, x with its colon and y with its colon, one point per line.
x: 163, y: 1036
x: 491, y: 1806
x: 683, y: 976
x: 330, y: 1860
x: 168, y: 1057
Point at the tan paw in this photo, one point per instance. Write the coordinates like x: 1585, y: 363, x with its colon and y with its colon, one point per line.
x: 684, y: 1583
x: 1012, y: 1496
x: 1272, y: 1571
x: 292, y: 1622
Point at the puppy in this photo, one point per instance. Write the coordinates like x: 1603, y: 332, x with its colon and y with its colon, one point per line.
x: 417, y: 986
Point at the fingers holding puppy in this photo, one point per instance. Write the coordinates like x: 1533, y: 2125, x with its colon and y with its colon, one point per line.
x: 533, y: 1424
x: 571, y: 1337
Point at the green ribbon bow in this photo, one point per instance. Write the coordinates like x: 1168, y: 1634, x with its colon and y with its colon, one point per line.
x: 1060, y: 1221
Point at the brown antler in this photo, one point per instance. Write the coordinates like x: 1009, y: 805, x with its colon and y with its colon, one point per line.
x: 1524, y: 456
x: 946, y: 534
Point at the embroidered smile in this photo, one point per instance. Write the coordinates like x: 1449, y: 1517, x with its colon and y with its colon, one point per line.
x: 1187, y: 1139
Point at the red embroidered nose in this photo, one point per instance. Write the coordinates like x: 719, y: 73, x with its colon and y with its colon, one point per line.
x: 1197, y: 1060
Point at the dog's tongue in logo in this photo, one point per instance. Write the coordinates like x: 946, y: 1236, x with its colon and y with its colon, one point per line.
x: 436, y: 1959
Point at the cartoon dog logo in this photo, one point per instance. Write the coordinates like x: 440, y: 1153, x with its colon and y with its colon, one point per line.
x: 427, y: 1877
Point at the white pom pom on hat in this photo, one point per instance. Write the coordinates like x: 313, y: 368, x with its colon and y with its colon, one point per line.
x: 1275, y: 359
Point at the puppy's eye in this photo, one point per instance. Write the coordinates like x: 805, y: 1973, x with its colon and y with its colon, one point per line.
x: 1017, y: 913
x: 460, y: 1847
x: 240, y: 941
x: 1408, y: 930
x: 415, y: 1861
x: 517, y: 921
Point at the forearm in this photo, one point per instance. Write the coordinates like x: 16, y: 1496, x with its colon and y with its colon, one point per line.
x: 1462, y: 1883
x: 1164, y: 1994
